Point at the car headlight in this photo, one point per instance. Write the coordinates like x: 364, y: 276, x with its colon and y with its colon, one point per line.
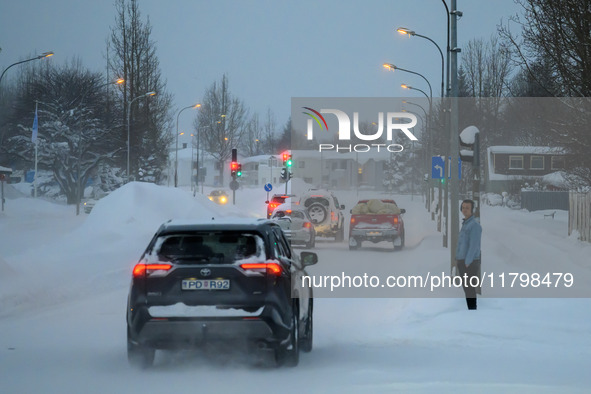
x: 223, y: 200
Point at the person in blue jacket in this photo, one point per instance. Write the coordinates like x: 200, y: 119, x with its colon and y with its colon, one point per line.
x: 468, y: 252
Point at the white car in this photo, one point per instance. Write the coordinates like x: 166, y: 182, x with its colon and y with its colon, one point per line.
x: 326, y: 213
x: 296, y: 224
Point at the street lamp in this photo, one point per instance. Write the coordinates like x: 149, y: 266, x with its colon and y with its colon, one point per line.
x: 176, y: 159
x: 118, y: 81
x: 405, y: 86
x: 128, y: 124
x: 404, y: 30
x: 42, y: 56
x: 392, y: 67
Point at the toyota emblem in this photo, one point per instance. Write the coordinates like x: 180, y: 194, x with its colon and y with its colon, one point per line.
x: 205, y: 272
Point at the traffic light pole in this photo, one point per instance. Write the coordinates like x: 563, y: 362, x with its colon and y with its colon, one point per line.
x: 453, y: 140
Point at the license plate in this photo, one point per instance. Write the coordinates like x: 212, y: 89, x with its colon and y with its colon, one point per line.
x: 374, y: 233
x: 205, y: 284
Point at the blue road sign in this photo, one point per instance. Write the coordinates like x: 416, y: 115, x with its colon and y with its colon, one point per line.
x: 268, y: 187
x: 459, y: 168
x: 437, y: 167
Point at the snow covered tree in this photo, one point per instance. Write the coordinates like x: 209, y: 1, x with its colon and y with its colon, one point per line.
x: 73, y: 137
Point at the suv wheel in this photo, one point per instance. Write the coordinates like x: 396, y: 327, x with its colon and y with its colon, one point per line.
x: 139, y: 356
x: 290, y: 354
x: 317, y: 212
x: 308, y: 340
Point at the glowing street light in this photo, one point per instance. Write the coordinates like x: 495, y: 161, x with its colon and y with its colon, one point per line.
x: 176, y: 159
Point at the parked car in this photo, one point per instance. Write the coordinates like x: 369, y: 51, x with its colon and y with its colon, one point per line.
x: 219, y: 197
x: 296, y: 224
x: 275, y: 201
x: 376, y: 221
x: 235, y: 280
x: 326, y: 213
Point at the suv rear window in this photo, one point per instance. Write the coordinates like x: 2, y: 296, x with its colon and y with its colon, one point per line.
x: 212, y: 247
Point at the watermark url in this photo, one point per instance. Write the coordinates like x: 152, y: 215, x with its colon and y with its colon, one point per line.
x: 441, y: 280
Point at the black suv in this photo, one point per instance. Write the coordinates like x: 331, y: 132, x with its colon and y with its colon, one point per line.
x: 220, y: 281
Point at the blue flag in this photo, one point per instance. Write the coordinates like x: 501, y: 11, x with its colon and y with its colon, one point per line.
x: 35, y: 127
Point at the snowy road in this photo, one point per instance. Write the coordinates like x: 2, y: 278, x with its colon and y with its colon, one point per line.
x: 62, y: 316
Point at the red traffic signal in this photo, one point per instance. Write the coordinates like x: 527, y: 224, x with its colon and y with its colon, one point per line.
x: 234, y: 166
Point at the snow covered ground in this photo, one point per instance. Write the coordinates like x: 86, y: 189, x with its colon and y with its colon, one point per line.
x: 64, y: 280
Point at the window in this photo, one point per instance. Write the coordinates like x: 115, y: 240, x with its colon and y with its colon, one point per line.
x: 557, y: 163
x: 301, y: 164
x: 536, y: 162
x: 516, y: 162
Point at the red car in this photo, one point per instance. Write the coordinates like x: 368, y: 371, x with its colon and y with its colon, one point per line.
x: 376, y: 221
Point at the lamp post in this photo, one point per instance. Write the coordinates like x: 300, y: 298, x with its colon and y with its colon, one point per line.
x: 128, y: 124
x: 404, y: 30
x: 392, y: 67
x: 78, y: 185
x: 42, y: 56
x: 405, y: 86
x: 176, y: 159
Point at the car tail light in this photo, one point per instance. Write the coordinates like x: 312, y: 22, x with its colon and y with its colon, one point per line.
x: 352, y: 220
x: 395, y: 219
x: 269, y: 268
x: 147, y: 269
x: 333, y: 217
x: 307, y: 225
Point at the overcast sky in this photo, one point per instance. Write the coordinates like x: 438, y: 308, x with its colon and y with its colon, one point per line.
x: 270, y: 50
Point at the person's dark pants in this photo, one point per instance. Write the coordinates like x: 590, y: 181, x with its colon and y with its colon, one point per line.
x: 473, y: 270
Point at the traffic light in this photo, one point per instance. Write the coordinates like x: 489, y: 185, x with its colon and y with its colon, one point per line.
x: 470, y: 138
x: 288, y: 162
x: 233, y: 168
x: 285, y: 156
x: 239, y: 170
x: 284, y: 174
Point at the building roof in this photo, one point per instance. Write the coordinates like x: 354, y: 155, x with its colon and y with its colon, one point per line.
x: 525, y: 150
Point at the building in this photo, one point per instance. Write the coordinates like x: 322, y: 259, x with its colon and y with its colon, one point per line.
x: 509, y: 167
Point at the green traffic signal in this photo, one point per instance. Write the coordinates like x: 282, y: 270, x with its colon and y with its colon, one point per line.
x: 289, y: 163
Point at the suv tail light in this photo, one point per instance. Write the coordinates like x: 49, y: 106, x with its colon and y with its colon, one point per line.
x: 269, y: 268
x: 307, y: 225
x: 395, y: 220
x: 147, y: 269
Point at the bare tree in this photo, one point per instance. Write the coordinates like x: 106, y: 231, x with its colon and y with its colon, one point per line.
x: 553, y: 46
x: 135, y: 60
x: 221, y: 118
x: 253, y: 138
x: 558, y: 31
x: 270, y: 133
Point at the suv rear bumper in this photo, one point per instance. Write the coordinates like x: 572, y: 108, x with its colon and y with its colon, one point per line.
x: 163, y: 334
x: 174, y: 332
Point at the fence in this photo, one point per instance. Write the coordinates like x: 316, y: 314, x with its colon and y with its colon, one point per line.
x: 538, y: 200
x: 579, y: 215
